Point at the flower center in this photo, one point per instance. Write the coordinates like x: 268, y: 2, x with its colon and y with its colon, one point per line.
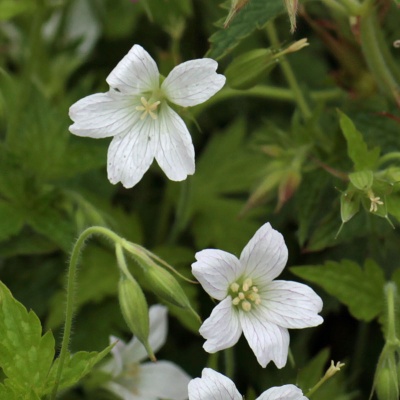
x: 375, y: 201
x: 148, y: 108
x: 245, y: 295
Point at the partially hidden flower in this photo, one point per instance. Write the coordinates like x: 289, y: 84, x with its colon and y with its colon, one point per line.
x: 251, y: 301
x: 136, y: 112
x: 214, y: 386
x: 132, y: 379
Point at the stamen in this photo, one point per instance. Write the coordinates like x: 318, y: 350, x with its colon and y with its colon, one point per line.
x: 147, y: 108
x: 246, y: 284
x: 241, y: 295
x: 235, y: 287
x: 236, y: 301
x: 246, y: 306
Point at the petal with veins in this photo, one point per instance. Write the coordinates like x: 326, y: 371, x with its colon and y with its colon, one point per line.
x: 136, y: 73
x: 193, y: 82
x: 265, y: 256
x: 285, y: 392
x: 130, y: 154
x: 175, y: 151
x: 268, y: 341
x: 290, y: 305
x: 213, y: 386
x: 222, y: 328
x: 102, y: 115
x: 216, y: 270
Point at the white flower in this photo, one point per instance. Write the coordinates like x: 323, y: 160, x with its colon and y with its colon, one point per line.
x: 214, y: 386
x: 136, y: 112
x: 251, y: 301
x: 147, y: 381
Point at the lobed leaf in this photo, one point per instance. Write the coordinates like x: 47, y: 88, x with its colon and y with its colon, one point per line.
x: 360, y: 289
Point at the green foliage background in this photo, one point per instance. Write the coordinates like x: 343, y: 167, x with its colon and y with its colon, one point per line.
x: 262, y: 154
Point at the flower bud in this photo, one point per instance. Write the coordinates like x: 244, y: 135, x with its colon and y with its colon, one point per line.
x: 386, y: 384
x: 135, y: 310
x: 164, y: 285
x: 249, y: 68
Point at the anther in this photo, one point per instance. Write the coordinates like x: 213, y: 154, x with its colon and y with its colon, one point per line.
x: 246, y: 306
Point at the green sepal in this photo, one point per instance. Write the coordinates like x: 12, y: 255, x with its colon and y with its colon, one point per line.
x: 349, y: 205
x: 362, y: 180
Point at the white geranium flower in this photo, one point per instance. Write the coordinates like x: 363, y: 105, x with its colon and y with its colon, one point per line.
x: 251, y: 301
x: 133, y: 380
x: 136, y: 113
x: 214, y: 386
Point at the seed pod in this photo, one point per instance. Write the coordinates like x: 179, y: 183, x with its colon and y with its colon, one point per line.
x: 386, y: 385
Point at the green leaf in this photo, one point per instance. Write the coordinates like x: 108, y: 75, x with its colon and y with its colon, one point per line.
x: 253, y: 16
x: 214, y: 193
x: 11, y: 219
x: 361, y: 290
x: 25, y: 355
x: 357, y: 150
x: 75, y: 368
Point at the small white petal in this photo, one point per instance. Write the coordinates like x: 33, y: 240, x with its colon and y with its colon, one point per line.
x: 216, y: 270
x: 268, y: 341
x: 115, y: 365
x: 222, y: 329
x: 163, y: 380
x: 193, y: 82
x: 286, y: 392
x: 265, y: 256
x: 136, y: 73
x: 134, y: 351
x: 131, y: 154
x: 213, y: 386
x: 290, y: 305
x: 102, y: 115
x: 175, y: 151
x: 122, y: 392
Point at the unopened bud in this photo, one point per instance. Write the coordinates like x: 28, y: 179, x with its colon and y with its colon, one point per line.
x: 296, y: 46
x: 386, y: 384
x: 249, y: 68
x: 164, y: 285
x: 135, y: 310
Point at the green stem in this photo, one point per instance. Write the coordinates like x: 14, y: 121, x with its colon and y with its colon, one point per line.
x: 267, y: 92
x: 390, y: 293
x: 73, y: 264
x: 181, y: 212
x: 354, y: 7
x: 395, y: 155
x: 229, y: 359
x: 289, y: 74
x: 377, y: 55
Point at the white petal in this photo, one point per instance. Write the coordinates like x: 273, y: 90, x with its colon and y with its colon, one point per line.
x: 286, y: 392
x: 164, y: 380
x: 175, y: 152
x: 216, y: 270
x: 131, y: 154
x: 193, y: 82
x: 134, y: 351
x: 290, y: 305
x: 213, y: 386
x: 102, y: 115
x: 265, y: 256
x: 268, y: 341
x: 115, y: 365
x: 222, y: 329
x: 136, y: 73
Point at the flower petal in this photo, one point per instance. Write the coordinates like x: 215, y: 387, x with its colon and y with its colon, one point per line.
x: 268, y: 341
x: 213, y: 386
x: 193, y: 82
x: 175, y: 152
x: 265, y: 256
x: 216, y: 270
x: 121, y: 392
x: 290, y: 305
x: 114, y: 366
x: 285, y: 392
x: 136, y: 73
x: 134, y: 351
x: 163, y: 380
x: 222, y: 328
x: 131, y: 153
x: 102, y: 115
